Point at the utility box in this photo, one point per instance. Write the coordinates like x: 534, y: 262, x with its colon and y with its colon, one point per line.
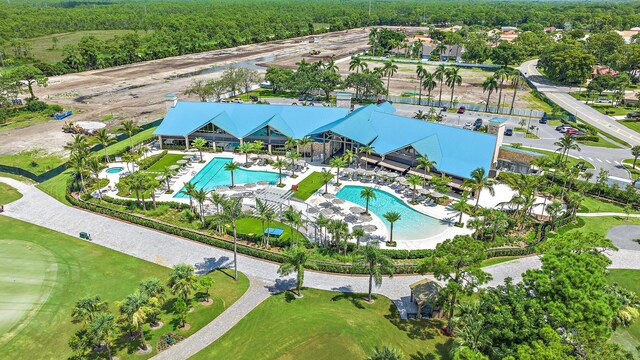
x: 343, y: 99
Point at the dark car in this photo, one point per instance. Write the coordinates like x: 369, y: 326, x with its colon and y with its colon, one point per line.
x: 563, y: 127
x: 301, y: 98
x: 461, y: 110
x: 478, y: 122
x: 508, y: 132
x: 318, y: 98
x: 310, y: 98
x: 543, y: 120
x: 633, y: 115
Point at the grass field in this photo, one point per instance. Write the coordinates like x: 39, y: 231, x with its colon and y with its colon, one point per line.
x: 601, y: 224
x: 25, y: 118
x: 82, y: 269
x: 309, y: 185
x: 602, y: 143
x: 572, y: 160
x: 8, y: 194
x: 590, y: 204
x: 627, y: 337
x: 631, y: 124
x: 36, y: 161
x: 251, y: 225
x: 41, y: 46
x: 56, y: 187
x: 326, y: 325
x: 628, y: 163
x: 166, y: 161
x: 119, y: 146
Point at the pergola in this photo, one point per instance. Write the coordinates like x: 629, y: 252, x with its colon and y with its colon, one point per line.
x: 425, y: 292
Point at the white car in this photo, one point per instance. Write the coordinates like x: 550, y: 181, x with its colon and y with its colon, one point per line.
x: 468, y: 126
x: 603, y: 101
x: 238, y: 101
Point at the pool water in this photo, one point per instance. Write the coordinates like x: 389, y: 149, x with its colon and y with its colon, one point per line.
x: 413, y: 225
x: 214, y: 175
x: 114, y: 170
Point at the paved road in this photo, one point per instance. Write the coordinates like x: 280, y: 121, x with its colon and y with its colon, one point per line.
x: 39, y: 208
x: 560, y: 94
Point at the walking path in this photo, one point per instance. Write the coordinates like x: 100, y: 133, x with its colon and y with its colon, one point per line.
x: 39, y: 208
x: 595, y: 214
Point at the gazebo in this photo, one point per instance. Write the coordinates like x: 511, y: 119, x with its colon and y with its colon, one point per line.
x: 424, y: 292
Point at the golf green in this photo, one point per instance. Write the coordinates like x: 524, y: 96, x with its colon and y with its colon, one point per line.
x: 27, y: 274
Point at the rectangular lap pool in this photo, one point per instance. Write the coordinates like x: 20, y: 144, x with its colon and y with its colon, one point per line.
x: 413, y: 225
x: 214, y: 175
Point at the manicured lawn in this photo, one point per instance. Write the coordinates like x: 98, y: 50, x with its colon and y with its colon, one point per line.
x: 251, y: 225
x: 166, y: 161
x: 602, y: 143
x: 36, y: 161
x: 602, y: 224
x: 83, y: 269
x: 309, y: 185
x: 590, y: 204
x: 628, y: 163
x: 498, y: 260
x: 119, y: 146
x: 326, y: 325
x: 56, y: 187
x: 627, y: 337
x: 631, y: 124
x: 612, y: 111
x: 572, y: 160
x: 8, y: 194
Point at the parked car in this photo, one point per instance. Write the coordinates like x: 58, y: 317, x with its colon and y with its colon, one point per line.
x: 461, y: 110
x: 318, y: 98
x: 253, y: 98
x: 633, y: 115
x: 301, y: 98
x: 224, y: 100
x: 310, y: 98
x: 572, y: 131
x: 543, y: 120
x: 467, y: 125
x: 238, y: 101
x: 604, y: 101
x: 508, y: 132
x: 478, y: 122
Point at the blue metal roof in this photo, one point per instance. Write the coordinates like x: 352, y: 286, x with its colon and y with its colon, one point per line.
x: 241, y: 120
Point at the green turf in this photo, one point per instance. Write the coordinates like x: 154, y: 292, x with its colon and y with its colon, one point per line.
x: 534, y: 102
x: 166, y: 161
x: 42, y: 46
x: 118, y: 147
x: 498, y: 260
x: 627, y: 337
x: 252, y: 225
x: 604, y: 143
x: 326, y: 325
x: 87, y: 269
x: 571, y: 160
x: 17, y: 177
x: 8, y: 194
x: 56, y: 187
x: 590, y: 204
x: 628, y: 163
x: 631, y: 124
x: 36, y: 161
x: 309, y: 185
x: 602, y: 224
x: 611, y: 110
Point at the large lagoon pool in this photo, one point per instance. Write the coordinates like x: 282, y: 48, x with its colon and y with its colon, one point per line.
x: 413, y: 225
x: 214, y: 175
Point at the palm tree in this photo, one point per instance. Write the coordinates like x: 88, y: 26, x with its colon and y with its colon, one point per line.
x: 426, y: 164
x: 231, y: 167
x: 461, y: 205
x: 189, y: 189
x: 153, y: 185
x: 453, y: 79
x: 134, y: 311
x: 129, y: 128
x: 337, y: 162
x: 478, y: 181
x: 516, y: 79
x: 389, y: 70
x: 440, y: 75
x: 440, y: 49
x: 501, y: 75
x: 367, y: 150
x: 289, y: 217
x: 326, y: 176
x: 358, y: 234
x: 103, y: 329
x: 295, y: 261
x: 291, y: 143
x: 391, y: 217
x: 246, y: 149
x: 635, y: 152
x: 94, y: 166
x: 87, y: 308
x: 262, y: 211
x: 565, y: 144
x: 357, y: 64
x: 420, y: 115
x: 349, y: 155
x: 104, y: 138
x: 489, y: 85
x: 376, y: 263
x: 232, y: 211
x: 331, y: 65
x: 553, y: 209
x: 155, y: 291
x: 293, y: 156
x: 386, y: 353
x: 303, y: 142
x: 182, y: 281
x: 199, y: 144
x: 279, y: 164
x: 201, y: 196
x: 420, y: 72
x: 167, y: 174
x: 367, y: 194
x: 323, y: 222
x: 429, y: 83
x: 414, y: 181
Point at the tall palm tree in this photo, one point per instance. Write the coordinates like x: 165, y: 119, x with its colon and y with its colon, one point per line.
x: 337, y: 162
x: 414, y: 181
x: 553, y: 209
x: 478, y: 181
x: 134, y: 311
x: 367, y: 194
x: 429, y: 83
x: 303, y: 142
x: 326, y: 176
x: 331, y: 65
x: 291, y: 143
x: 87, y: 308
x: 566, y: 144
x: 453, y: 78
x: 502, y: 75
x: 279, y: 164
x: 489, y: 85
x: 167, y: 174
x: 349, y: 156
x: 322, y: 222
x: 182, y: 281
x: 440, y: 49
x: 293, y: 156
x: 358, y: 234
x: 246, y: 149
x: 102, y: 329
x: 289, y: 217
x: 105, y: 139
x: 262, y: 211
x: 94, y: 167
x: 376, y: 264
x: 389, y: 70
x: 199, y: 143
x: 461, y: 205
x: 635, y: 152
x: 200, y: 196
x: 129, y: 128
x: 189, y: 189
x: 295, y: 261
x: 367, y: 150
x: 153, y: 289
x: 420, y: 72
x: 232, y: 211
x: 426, y: 164
x: 231, y: 167
x: 357, y: 64
x: 391, y: 217
x: 440, y: 75
x: 516, y: 80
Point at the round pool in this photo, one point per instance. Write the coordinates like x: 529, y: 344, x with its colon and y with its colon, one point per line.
x: 114, y: 170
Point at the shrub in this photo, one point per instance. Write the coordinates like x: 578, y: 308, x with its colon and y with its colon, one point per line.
x: 35, y: 106
x: 150, y: 160
x: 587, y: 138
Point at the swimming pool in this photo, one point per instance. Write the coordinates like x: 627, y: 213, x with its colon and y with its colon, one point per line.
x: 214, y: 175
x: 114, y: 170
x: 412, y: 225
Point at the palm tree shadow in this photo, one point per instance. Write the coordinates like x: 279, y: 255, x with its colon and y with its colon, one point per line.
x: 422, y: 329
x: 226, y: 271
x: 355, y: 298
x: 442, y: 352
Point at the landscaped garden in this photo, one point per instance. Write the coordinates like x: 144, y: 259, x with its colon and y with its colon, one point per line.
x: 570, y: 160
x: 628, y: 337
x: 73, y: 269
x: 37, y: 161
x: 8, y: 194
x: 309, y: 185
x: 631, y: 124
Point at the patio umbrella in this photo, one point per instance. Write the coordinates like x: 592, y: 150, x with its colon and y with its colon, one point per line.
x: 239, y: 187
x: 313, y: 210
x: 365, y: 218
x: 338, y: 201
x: 402, y: 181
x: 159, y: 177
x: 182, y: 161
x: 348, y: 170
x: 356, y: 209
x: 301, y: 162
x: 369, y: 228
x: 315, y: 201
x: 174, y: 167
x: 360, y: 171
x: 326, y: 204
x: 188, y: 157
x: 392, y: 175
x: 262, y: 182
x: 327, y: 212
x: 223, y: 188
x: 250, y: 186
x: 369, y: 173
x: 329, y: 196
x: 351, y: 219
x: 424, y: 191
x: 436, y: 195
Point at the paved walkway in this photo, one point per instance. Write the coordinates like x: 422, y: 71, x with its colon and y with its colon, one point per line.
x: 596, y: 214
x: 39, y: 208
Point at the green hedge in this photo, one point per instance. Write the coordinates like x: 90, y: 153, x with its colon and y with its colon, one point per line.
x: 587, y: 138
x: 129, y: 203
x: 149, y: 161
